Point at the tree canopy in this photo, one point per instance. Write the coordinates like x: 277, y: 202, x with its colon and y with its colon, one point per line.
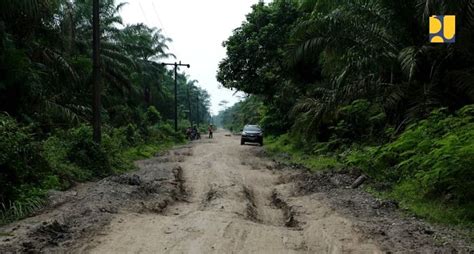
x: 322, y: 55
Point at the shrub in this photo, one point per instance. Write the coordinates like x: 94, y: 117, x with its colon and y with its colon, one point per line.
x: 74, y: 154
x: 437, y: 153
x: 56, y: 151
x: 121, y: 115
x: 21, y: 165
x: 85, y: 153
x: 152, y: 116
x: 28, y: 168
x: 361, y: 121
x: 132, y: 135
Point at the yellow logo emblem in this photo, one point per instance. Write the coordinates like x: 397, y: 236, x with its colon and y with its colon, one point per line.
x: 443, y: 29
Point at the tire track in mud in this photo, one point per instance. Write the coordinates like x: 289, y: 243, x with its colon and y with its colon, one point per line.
x: 289, y: 214
x: 251, y: 207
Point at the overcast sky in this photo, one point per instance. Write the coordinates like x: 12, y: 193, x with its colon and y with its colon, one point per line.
x: 198, y: 29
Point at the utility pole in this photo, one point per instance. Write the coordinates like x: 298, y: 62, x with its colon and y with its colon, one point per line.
x: 175, y: 64
x: 197, y: 108
x: 96, y: 77
x: 190, y: 115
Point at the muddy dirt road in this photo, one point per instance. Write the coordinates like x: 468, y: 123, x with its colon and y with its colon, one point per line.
x: 234, y: 204
x: 216, y: 196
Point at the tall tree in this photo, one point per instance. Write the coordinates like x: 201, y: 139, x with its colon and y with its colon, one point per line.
x: 97, y: 87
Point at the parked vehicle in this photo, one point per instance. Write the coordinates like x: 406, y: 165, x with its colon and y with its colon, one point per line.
x: 192, y: 133
x: 252, y: 134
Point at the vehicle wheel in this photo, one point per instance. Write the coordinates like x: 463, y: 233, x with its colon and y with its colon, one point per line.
x: 242, y: 142
x: 261, y: 143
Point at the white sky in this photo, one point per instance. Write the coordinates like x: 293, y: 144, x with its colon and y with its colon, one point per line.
x: 198, y: 29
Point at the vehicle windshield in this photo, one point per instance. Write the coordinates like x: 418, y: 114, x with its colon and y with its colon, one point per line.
x: 252, y: 128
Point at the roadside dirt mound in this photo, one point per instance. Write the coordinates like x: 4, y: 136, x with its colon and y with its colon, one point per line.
x: 381, y: 220
x: 71, y: 217
x: 323, y: 181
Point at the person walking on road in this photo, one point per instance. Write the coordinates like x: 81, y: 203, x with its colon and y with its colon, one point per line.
x: 210, y: 129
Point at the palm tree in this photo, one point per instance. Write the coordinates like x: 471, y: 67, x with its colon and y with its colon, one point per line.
x: 52, y: 71
x: 375, y: 49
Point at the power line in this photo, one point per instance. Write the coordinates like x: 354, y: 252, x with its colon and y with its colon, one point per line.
x: 143, y: 11
x: 163, y: 29
x: 158, y: 17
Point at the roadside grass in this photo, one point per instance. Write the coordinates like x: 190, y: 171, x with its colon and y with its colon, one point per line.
x: 281, y: 148
x: 431, y: 210
x: 434, y: 210
x: 145, y: 151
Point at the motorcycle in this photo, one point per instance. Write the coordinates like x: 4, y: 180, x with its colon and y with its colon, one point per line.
x: 194, y: 135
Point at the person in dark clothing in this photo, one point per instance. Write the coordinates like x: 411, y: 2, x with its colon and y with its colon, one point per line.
x: 189, y: 131
x: 211, y: 130
x: 195, y: 133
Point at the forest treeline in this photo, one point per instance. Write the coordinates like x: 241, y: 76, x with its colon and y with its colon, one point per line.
x: 356, y: 84
x: 46, y: 97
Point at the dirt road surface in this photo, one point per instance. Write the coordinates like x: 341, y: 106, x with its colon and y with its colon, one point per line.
x: 231, y: 207
x: 216, y: 196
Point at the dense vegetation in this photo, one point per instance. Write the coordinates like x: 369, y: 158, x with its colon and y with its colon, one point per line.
x: 46, y: 96
x: 357, y: 84
x: 247, y: 111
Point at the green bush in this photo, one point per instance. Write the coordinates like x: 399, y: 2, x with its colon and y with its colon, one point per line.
x: 168, y: 132
x: 85, y: 153
x: 74, y: 155
x: 121, y: 115
x: 291, y: 150
x: 56, y: 151
x: 361, y: 121
x: 152, y: 116
x: 437, y: 153
x: 22, y: 168
x: 132, y: 135
x: 30, y: 167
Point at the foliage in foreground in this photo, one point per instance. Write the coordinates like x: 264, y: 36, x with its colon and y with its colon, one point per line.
x: 431, y: 160
x: 29, y: 168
